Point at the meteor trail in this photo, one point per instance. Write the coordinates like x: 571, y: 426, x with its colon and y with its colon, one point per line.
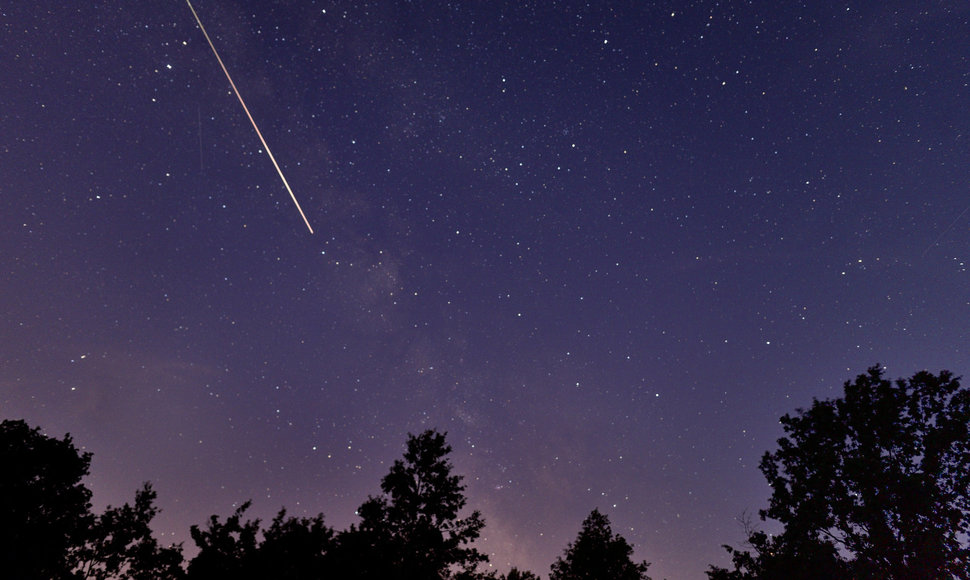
x: 245, y: 108
x: 945, y: 230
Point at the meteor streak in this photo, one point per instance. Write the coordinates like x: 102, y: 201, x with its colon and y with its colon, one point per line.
x: 945, y: 230
x: 245, y: 108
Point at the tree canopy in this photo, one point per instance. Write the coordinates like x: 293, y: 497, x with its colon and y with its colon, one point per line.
x: 516, y: 574
x: 44, y: 507
x: 290, y: 549
x: 47, y: 529
x: 874, y: 484
x: 120, y: 544
x: 414, y: 529
x: 598, y: 553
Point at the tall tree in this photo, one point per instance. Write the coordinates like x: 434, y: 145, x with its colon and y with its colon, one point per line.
x: 875, y: 484
x: 413, y: 531
x: 598, y: 553
x: 44, y: 507
x: 120, y: 544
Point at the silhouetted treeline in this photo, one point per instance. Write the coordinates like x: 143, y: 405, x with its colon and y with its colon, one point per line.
x: 47, y: 529
x: 875, y: 484
x: 414, y: 530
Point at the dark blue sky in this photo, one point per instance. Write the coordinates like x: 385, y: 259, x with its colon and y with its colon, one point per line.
x: 605, y: 246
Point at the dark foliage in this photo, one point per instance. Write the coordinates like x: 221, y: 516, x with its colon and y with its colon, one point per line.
x: 875, y: 484
x: 120, y: 544
x: 44, y: 508
x: 516, y: 574
x: 772, y: 559
x: 598, y: 553
x: 226, y: 549
x: 296, y: 548
x: 47, y: 530
x: 290, y: 549
x: 413, y: 531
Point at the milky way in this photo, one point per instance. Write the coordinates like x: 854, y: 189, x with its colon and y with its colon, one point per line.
x: 604, y: 246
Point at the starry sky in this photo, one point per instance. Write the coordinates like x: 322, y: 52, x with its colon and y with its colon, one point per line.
x: 603, y: 245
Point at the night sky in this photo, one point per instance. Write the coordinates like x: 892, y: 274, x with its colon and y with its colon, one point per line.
x: 603, y: 245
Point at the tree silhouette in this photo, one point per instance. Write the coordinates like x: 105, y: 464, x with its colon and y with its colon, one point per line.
x: 875, y: 484
x: 120, y: 544
x: 47, y: 529
x: 513, y: 574
x: 597, y: 554
x: 516, y: 574
x: 295, y: 548
x: 291, y: 548
x: 774, y: 559
x: 44, y: 508
x: 226, y: 550
x: 413, y: 531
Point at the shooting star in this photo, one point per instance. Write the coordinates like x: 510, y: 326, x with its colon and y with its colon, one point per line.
x: 245, y: 108
x: 945, y: 230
